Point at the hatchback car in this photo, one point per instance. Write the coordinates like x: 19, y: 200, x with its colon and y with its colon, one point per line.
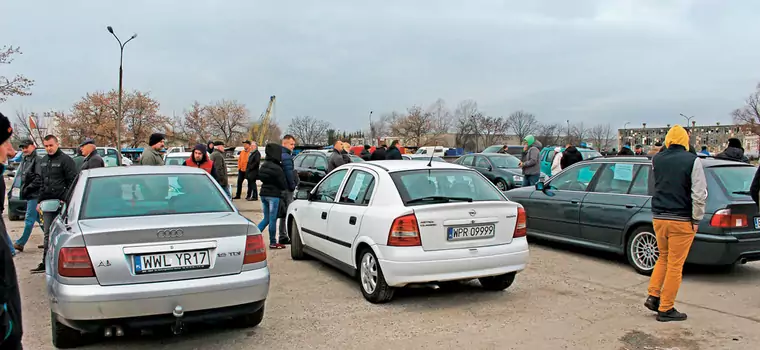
x: 141, y: 247
x: 515, y: 150
x: 502, y: 169
x: 311, y: 166
x: 605, y: 204
x: 398, y: 223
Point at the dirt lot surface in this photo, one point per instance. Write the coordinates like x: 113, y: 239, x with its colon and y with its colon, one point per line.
x: 566, y: 299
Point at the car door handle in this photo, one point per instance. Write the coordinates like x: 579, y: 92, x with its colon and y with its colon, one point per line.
x: 574, y: 201
x: 352, y: 220
x: 630, y: 206
x: 324, y: 215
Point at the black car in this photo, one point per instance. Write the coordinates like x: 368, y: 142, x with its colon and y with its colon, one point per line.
x: 311, y: 166
x: 502, y: 169
x: 605, y: 204
x: 16, y: 205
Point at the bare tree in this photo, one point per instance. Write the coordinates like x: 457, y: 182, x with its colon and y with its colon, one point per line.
x: 491, y: 128
x: 194, y: 125
x: 578, y: 133
x: 749, y: 115
x: 16, y: 86
x: 466, y: 128
x: 380, y: 127
x: 601, y: 135
x: 309, y: 130
x: 228, y: 119
x: 442, y: 118
x: 415, y: 127
x: 522, y: 124
x: 549, y: 134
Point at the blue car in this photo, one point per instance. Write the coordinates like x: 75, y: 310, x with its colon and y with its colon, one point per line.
x: 547, y: 155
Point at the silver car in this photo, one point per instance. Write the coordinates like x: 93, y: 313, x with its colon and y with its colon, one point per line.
x: 140, y: 247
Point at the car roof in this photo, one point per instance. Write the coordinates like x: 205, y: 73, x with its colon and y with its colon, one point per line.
x: 496, y: 155
x: 706, y: 161
x: 179, y: 154
x: 402, y: 165
x: 141, y: 170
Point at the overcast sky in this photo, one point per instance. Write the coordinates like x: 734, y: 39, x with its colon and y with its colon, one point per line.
x: 582, y: 60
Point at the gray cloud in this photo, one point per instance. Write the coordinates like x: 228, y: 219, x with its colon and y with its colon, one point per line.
x: 616, y: 60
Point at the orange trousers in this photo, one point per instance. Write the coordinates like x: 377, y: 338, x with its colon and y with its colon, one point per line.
x: 674, y: 240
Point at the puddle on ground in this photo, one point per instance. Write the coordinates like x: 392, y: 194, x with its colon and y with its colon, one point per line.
x: 675, y: 339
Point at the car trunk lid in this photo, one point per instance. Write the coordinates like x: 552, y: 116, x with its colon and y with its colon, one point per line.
x: 466, y: 225
x: 165, y: 248
x: 744, y: 220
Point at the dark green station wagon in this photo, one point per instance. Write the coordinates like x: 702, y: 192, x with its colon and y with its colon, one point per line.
x: 605, y: 204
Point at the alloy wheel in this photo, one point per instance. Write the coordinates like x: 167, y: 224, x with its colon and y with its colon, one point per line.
x: 644, y: 250
x: 368, y: 272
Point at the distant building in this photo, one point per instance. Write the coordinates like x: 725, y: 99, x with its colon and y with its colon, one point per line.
x: 715, y: 137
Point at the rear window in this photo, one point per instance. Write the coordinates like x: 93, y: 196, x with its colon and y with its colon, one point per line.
x: 507, y: 161
x: 736, y: 180
x: 160, y: 194
x: 418, y: 187
x: 590, y: 154
x: 175, y: 160
x: 492, y: 149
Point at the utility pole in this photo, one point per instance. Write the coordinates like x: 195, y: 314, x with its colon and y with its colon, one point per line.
x: 371, y: 130
x: 121, y: 75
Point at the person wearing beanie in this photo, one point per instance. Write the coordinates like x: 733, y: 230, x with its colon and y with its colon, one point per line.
x: 152, y: 154
x: 531, y: 167
x: 10, y: 311
x: 626, y: 150
x: 199, y: 159
x: 220, y: 166
x: 734, y: 152
x: 678, y: 205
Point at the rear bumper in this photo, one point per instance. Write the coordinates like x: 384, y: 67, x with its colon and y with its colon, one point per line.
x: 722, y: 250
x: 405, y: 265
x: 94, y: 304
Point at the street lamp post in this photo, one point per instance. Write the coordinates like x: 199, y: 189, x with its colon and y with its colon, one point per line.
x: 371, y: 129
x: 121, y: 75
x: 568, y: 131
x: 688, y: 119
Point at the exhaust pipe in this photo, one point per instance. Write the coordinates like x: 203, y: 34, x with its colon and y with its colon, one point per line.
x: 178, y: 313
x: 743, y: 261
x: 119, y: 331
x: 432, y: 286
x: 108, y: 332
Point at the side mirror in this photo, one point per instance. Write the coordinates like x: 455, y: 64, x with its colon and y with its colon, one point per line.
x: 490, y: 168
x: 540, y: 186
x: 50, y: 206
x: 302, y: 195
x: 321, y: 168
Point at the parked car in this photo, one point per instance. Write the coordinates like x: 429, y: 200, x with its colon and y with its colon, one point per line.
x: 547, y: 156
x: 425, y: 157
x: 427, y: 150
x: 190, y: 257
x: 605, y: 204
x: 501, y: 169
x: 176, y: 158
x: 400, y: 223
x: 515, y: 150
x: 16, y: 205
x: 311, y: 166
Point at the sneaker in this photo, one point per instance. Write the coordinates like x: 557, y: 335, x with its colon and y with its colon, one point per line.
x: 276, y: 246
x: 284, y: 241
x: 252, y: 199
x: 41, y: 246
x: 652, y: 303
x: 19, y: 248
x: 671, y: 315
x: 236, y: 197
x: 39, y: 269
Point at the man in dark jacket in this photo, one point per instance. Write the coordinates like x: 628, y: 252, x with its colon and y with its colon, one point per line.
x: 734, y: 152
x: 365, y: 154
x: 570, y: 156
x: 92, y: 159
x: 31, y: 182
x: 58, y: 172
x: 678, y: 205
x: 11, y: 325
x: 273, y: 185
x: 626, y: 150
x: 379, y: 153
x: 394, y: 152
x: 338, y: 157
x: 252, y: 171
x: 291, y: 178
x: 220, y: 166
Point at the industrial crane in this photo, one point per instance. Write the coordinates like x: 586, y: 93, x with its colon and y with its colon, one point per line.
x: 263, y: 126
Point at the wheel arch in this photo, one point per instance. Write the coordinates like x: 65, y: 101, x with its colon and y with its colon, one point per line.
x: 632, y: 227
x: 359, y: 245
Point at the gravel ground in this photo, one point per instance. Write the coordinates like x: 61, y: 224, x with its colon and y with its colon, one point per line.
x: 566, y: 299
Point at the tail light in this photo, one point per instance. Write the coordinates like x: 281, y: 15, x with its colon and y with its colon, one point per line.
x: 521, y: 229
x: 404, y: 232
x: 724, y: 218
x: 75, y: 262
x: 255, y: 251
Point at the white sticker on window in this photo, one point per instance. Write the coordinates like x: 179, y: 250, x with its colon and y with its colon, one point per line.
x: 358, y: 183
x: 623, y: 172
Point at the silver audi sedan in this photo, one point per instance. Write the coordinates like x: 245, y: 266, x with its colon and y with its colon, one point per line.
x: 149, y: 246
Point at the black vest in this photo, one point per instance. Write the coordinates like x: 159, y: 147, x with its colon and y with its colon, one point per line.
x: 672, y: 183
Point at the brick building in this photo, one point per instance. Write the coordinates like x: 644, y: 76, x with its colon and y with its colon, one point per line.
x: 715, y: 137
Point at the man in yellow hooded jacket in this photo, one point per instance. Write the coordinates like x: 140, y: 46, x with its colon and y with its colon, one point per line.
x: 678, y: 205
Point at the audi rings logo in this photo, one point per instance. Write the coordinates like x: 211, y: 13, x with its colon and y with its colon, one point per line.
x: 170, y: 233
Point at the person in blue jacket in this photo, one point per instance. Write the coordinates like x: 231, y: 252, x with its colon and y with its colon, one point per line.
x: 288, y: 144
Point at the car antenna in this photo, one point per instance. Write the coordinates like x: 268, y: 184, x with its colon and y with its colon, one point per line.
x: 432, y: 154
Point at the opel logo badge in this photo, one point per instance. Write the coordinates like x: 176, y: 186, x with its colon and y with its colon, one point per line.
x: 170, y: 233
x: 473, y: 212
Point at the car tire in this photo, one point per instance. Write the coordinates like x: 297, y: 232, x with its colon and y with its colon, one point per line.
x: 498, y: 283
x: 64, y: 337
x: 502, y: 185
x: 641, y: 250
x: 296, y: 246
x: 370, y: 274
x: 250, y: 320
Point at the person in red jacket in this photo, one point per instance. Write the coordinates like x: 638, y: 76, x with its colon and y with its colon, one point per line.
x: 199, y: 159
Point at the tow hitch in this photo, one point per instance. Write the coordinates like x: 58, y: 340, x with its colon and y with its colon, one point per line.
x: 178, y: 313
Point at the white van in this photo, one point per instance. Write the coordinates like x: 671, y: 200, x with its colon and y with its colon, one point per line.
x: 438, y: 151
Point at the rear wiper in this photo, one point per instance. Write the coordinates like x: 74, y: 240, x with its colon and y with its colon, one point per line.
x: 439, y: 198
x: 748, y: 193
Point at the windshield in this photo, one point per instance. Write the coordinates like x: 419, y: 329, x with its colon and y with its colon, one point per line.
x: 506, y: 161
x: 418, y: 187
x: 160, y: 194
x: 493, y: 149
x: 734, y: 179
x: 175, y: 160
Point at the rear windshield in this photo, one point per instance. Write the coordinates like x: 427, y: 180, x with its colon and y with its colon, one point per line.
x: 492, y: 149
x: 418, y: 187
x: 159, y: 194
x: 734, y: 179
x: 175, y: 160
x: 507, y: 161
x: 590, y: 154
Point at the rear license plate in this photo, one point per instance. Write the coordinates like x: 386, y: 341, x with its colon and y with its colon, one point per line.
x: 166, y: 262
x: 757, y: 222
x: 459, y: 233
